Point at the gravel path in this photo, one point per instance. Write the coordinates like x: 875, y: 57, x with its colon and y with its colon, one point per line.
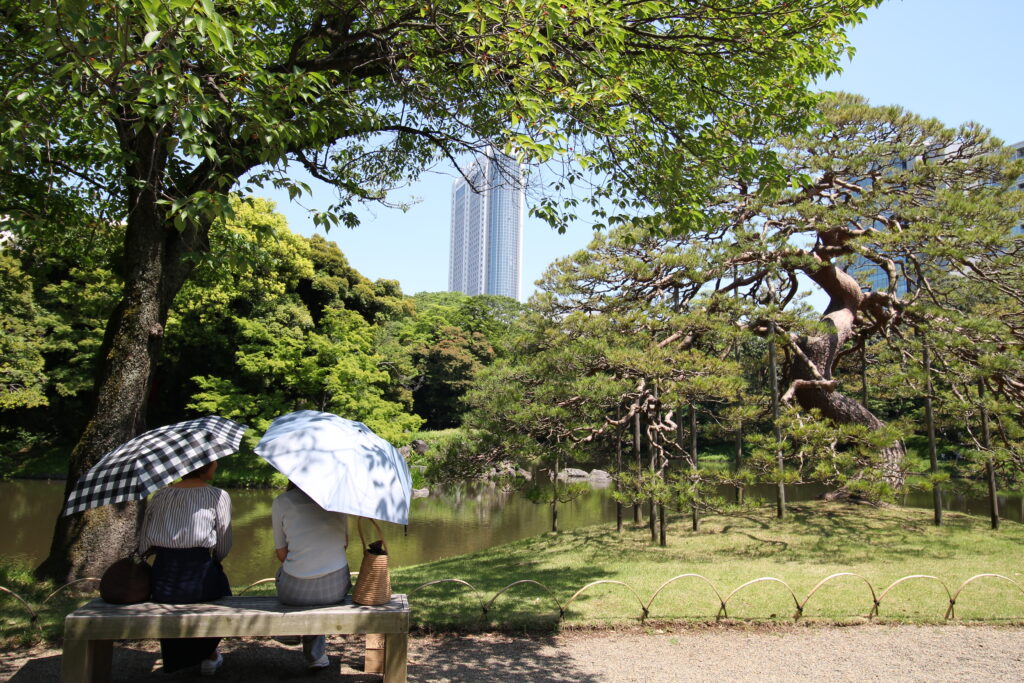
x: 736, y: 653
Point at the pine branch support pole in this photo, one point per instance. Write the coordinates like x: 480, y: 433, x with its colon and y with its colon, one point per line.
x: 639, y: 465
x: 738, y: 452
x: 990, y: 468
x: 694, y: 465
x: 773, y: 376
x: 618, y: 469
x: 929, y: 418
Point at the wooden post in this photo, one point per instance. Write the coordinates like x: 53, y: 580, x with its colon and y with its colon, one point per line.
x: 374, y: 653
x: 929, y: 417
x: 864, y: 376
x: 618, y: 469
x: 662, y: 537
x: 554, y: 498
x: 653, y: 518
x: 86, y: 661
x: 738, y: 448
x: 639, y: 465
x: 694, y: 465
x: 780, y: 495
x: 395, y: 657
x: 990, y: 469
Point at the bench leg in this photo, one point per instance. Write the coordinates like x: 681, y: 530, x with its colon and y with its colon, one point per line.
x: 395, y: 655
x: 86, y: 661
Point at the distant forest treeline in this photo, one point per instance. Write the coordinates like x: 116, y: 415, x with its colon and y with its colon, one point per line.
x: 271, y: 322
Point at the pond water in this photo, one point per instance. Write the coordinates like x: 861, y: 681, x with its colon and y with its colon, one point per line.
x: 452, y: 522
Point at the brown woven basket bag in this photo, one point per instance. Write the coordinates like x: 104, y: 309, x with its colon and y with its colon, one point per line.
x: 373, y: 585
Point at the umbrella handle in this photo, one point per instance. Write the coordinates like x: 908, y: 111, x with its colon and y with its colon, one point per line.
x: 362, y: 541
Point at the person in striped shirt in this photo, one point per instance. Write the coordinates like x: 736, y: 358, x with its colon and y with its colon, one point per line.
x: 188, y: 527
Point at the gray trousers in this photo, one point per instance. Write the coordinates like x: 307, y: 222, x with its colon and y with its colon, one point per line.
x: 328, y: 589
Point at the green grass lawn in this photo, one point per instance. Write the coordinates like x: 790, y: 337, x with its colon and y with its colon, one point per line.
x: 816, y: 540
x: 39, y: 620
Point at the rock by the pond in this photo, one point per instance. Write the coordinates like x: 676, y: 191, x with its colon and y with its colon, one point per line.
x: 420, y: 493
x: 524, y: 474
x: 417, y: 446
x: 599, y: 475
x: 502, y: 469
x: 572, y: 473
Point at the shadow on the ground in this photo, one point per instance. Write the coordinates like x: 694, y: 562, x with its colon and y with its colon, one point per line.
x: 497, y: 658
x: 439, y: 658
x: 524, y: 606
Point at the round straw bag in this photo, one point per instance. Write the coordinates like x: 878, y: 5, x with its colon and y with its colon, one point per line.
x: 373, y: 586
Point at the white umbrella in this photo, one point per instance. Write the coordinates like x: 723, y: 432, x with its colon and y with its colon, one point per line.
x: 340, y: 464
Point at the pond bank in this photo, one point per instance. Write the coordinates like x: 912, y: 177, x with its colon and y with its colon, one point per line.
x: 861, y: 653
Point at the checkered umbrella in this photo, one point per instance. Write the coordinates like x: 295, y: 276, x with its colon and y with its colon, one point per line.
x: 154, y: 459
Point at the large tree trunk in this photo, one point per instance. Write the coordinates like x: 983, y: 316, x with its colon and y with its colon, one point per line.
x: 85, y: 544
x: 820, y: 352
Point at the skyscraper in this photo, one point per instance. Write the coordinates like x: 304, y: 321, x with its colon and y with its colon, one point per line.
x: 486, y: 250
x: 1018, y: 153
x: 872, y: 277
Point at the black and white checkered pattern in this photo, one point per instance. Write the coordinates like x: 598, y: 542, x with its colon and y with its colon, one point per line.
x: 152, y: 460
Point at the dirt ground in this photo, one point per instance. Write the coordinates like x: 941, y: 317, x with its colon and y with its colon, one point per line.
x: 734, y: 653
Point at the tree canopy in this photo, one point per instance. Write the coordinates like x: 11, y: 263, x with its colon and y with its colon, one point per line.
x: 149, y: 114
x: 641, y: 325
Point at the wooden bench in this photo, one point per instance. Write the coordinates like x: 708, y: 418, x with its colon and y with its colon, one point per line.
x: 90, y: 631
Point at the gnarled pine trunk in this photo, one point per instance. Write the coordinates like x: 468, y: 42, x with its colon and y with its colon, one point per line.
x: 845, y: 299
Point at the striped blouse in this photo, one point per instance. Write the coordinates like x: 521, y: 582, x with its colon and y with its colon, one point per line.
x: 193, y: 517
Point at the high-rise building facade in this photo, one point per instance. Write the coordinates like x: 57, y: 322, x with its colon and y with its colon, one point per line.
x: 872, y: 278
x: 486, y: 250
x: 1018, y: 153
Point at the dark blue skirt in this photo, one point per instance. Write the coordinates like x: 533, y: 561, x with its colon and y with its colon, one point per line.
x: 182, y: 576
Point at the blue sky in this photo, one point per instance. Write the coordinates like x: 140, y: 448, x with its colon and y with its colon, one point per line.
x: 954, y: 60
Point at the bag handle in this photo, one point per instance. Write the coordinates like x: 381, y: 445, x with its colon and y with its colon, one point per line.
x: 362, y: 541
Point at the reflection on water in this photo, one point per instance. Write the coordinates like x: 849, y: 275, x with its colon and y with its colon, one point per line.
x: 460, y: 520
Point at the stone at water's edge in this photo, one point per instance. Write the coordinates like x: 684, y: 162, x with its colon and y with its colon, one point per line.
x: 573, y: 473
x: 599, y: 475
x: 417, y: 446
x: 420, y: 493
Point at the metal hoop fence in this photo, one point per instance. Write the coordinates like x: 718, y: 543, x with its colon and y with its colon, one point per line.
x: 645, y: 608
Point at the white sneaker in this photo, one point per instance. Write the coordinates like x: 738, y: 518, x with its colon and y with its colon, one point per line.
x: 321, y: 663
x: 208, y: 667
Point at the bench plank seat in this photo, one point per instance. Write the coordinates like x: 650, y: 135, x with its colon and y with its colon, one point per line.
x: 90, y: 630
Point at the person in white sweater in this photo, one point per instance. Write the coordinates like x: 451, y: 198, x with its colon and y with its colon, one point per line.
x: 310, y: 543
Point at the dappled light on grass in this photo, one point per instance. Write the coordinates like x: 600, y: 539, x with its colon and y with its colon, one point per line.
x: 828, y: 561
